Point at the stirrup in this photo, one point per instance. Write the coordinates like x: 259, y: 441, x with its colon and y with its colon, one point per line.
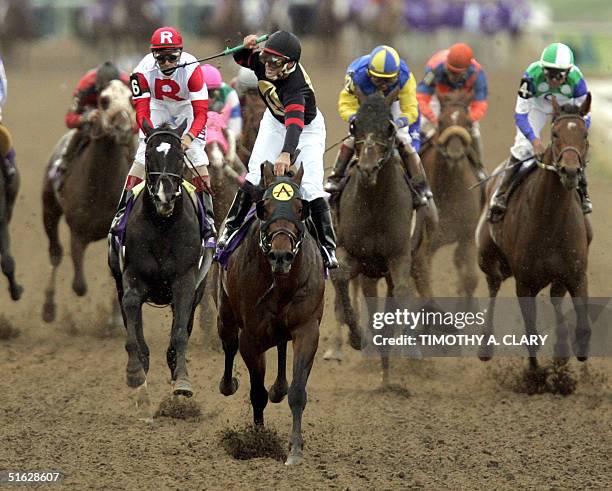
x: 329, y: 258
x: 333, y: 183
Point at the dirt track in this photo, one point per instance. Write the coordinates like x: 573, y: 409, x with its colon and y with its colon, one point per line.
x: 65, y: 405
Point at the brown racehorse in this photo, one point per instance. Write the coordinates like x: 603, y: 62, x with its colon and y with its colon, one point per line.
x: 92, y: 186
x: 273, y: 292
x: 374, y: 218
x: 447, y: 165
x: 544, y: 237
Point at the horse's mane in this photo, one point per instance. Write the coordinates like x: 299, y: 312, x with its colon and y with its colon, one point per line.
x: 570, y: 109
x: 372, y: 112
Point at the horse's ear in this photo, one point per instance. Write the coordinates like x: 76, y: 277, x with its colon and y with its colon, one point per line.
x: 556, y: 107
x: 298, y: 177
x: 585, y: 108
x: 267, y: 173
x: 146, y: 128
x: 391, y: 96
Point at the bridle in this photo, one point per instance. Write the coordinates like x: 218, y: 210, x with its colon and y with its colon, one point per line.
x: 163, y: 172
x: 284, y: 210
x: 388, y: 146
x: 557, y: 156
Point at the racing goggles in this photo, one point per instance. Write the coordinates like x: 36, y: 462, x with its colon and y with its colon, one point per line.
x: 555, y: 74
x: 273, y: 61
x: 166, y: 57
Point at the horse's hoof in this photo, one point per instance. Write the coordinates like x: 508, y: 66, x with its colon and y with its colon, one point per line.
x: 355, y: 341
x: 16, y: 291
x: 485, y: 354
x: 136, y: 379
x: 48, y: 313
x: 333, y: 354
x: 229, y: 389
x: 582, y: 358
x: 182, y: 387
x: 484, y: 358
x: 79, y: 288
x: 277, y: 393
x: 294, y: 458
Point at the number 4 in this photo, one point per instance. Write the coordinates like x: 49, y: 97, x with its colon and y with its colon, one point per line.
x: 524, y: 90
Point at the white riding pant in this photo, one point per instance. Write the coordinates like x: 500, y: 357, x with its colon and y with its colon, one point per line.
x: 522, y: 147
x: 269, y: 145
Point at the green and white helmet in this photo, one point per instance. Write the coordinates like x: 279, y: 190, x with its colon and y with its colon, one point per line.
x: 558, y: 56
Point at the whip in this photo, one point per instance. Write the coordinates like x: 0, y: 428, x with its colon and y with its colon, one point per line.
x: 225, y: 52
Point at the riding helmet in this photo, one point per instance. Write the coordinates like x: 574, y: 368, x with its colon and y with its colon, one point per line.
x: 166, y: 38
x: 557, y: 56
x: 283, y: 43
x: 384, y: 62
x: 459, y: 58
x: 106, y: 72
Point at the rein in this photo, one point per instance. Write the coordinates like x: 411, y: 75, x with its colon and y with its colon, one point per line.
x: 387, y: 145
x: 556, y: 157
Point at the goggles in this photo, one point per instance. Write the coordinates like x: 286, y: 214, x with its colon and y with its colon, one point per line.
x: 273, y: 61
x: 167, y: 57
x: 555, y: 74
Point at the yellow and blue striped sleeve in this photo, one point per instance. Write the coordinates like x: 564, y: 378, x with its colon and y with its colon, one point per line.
x: 409, y: 106
x: 347, y: 100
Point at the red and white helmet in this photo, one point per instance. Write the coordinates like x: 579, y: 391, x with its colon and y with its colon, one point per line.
x: 166, y: 38
x: 212, y: 77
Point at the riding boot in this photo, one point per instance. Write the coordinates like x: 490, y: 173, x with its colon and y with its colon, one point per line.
x: 345, y: 154
x: 322, y: 219
x: 418, y: 179
x: 499, y: 202
x: 207, y: 201
x: 235, y: 216
x: 475, y: 159
x: 585, y: 200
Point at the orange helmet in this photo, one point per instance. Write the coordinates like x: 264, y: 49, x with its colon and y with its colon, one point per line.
x: 459, y: 58
x: 166, y: 38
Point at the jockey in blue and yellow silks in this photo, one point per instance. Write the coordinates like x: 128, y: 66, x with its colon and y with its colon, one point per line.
x: 383, y: 70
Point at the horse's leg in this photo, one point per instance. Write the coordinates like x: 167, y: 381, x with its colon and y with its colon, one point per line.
x: 77, y: 250
x: 7, y: 262
x: 256, y: 363
x: 557, y: 292
x: 207, y: 308
x: 305, y: 342
x: 52, y: 212
x: 526, y: 295
x: 579, y: 293
x: 421, y: 269
x: 465, y: 262
x: 485, y: 352
x: 278, y: 391
x: 138, y: 353
x: 228, y: 333
x: 183, y: 305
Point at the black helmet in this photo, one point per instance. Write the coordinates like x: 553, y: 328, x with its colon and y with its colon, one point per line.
x: 106, y: 72
x: 285, y: 44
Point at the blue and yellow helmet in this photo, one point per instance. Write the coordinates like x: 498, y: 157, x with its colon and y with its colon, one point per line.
x: 384, y: 62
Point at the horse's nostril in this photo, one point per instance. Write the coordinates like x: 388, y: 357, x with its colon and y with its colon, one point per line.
x: 289, y: 256
x: 271, y: 255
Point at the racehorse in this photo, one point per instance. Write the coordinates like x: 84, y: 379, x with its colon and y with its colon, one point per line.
x: 91, y: 187
x: 9, y: 187
x: 447, y: 164
x: 544, y: 237
x: 164, y: 260
x: 273, y: 292
x: 374, y: 217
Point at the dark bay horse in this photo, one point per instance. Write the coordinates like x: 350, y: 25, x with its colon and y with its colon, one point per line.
x: 91, y: 187
x: 164, y: 262
x: 9, y: 187
x: 544, y: 237
x: 374, y: 217
x: 273, y: 292
x: 448, y: 168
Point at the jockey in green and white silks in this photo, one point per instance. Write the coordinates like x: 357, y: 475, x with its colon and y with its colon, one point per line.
x: 554, y: 74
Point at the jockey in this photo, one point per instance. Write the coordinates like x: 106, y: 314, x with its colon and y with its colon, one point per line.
x: 165, y: 92
x: 553, y: 75
x: 6, y: 140
x: 451, y: 70
x: 383, y: 70
x: 291, y: 121
x: 223, y: 99
x: 84, y: 109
